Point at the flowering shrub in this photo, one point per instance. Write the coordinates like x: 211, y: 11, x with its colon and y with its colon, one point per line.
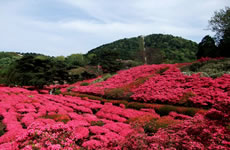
x: 175, y: 88
x: 162, y: 83
x: 36, y: 121
x: 191, y: 135
x: 125, y: 79
x: 42, y: 121
x: 54, y: 136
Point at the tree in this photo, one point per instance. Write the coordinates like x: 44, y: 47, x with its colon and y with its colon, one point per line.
x: 108, y: 60
x: 224, y: 44
x: 207, y: 48
x: 36, y: 71
x: 220, y: 23
x: 76, y: 60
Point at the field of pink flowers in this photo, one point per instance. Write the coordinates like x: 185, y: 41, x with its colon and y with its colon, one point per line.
x: 30, y: 120
x: 163, y: 83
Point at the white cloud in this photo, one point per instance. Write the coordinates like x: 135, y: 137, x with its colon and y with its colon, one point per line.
x: 109, y: 21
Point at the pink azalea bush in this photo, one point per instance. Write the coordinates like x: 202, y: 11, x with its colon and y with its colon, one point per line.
x: 175, y: 88
x: 163, y: 83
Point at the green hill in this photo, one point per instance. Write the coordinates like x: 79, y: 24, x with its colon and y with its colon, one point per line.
x: 159, y: 48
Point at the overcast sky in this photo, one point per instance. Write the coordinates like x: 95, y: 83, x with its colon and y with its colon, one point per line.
x: 64, y: 27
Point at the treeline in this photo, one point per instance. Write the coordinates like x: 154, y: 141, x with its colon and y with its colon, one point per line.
x: 31, y: 69
x: 39, y: 70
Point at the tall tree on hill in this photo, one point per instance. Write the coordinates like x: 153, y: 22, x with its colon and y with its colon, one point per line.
x: 220, y: 23
x: 207, y: 48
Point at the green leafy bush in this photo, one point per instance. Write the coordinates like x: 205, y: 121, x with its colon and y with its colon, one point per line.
x: 135, y: 105
x: 57, y: 92
x: 161, y: 71
x: 154, y: 125
x: 116, y: 93
x: 165, y: 110
x: 84, y: 84
x: 190, y: 112
x: 103, y: 78
x: 69, y: 89
x: 211, y: 68
x: 91, y: 97
x: 97, y: 123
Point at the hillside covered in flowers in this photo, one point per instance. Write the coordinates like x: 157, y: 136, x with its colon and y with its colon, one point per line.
x: 152, y: 107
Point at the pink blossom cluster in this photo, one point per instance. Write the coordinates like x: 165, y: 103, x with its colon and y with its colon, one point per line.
x: 29, y: 125
x: 122, y: 78
x: 173, y: 87
x: 209, y: 131
x: 203, y: 59
x: 196, y: 133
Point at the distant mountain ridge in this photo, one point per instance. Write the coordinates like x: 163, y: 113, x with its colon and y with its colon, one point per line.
x: 150, y: 49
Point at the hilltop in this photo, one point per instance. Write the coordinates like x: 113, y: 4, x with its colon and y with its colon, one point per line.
x: 159, y: 48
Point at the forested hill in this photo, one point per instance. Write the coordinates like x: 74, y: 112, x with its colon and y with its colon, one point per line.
x: 159, y: 48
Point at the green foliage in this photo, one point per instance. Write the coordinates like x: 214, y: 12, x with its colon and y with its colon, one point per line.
x: 135, y: 105
x: 228, y: 127
x: 185, y: 99
x: 76, y: 60
x: 91, y: 97
x: 116, y: 93
x: 103, y: 78
x: 84, y: 84
x: 211, y: 68
x: 108, y: 60
x: 60, y: 58
x: 6, y: 59
x: 97, y: 123
x: 159, y: 49
x: 220, y: 23
x: 207, y: 48
x: 86, y: 72
x: 56, y: 91
x: 70, y: 88
x: 165, y: 110
x: 154, y: 125
x: 190, y: 111
x: 36, y: 71
x: 161, y: 71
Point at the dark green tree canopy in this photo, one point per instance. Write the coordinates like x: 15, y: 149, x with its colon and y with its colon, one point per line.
x: 207, y: 48
x: 108, y: 60
x: 220, y: 23
x: 36, y: 71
